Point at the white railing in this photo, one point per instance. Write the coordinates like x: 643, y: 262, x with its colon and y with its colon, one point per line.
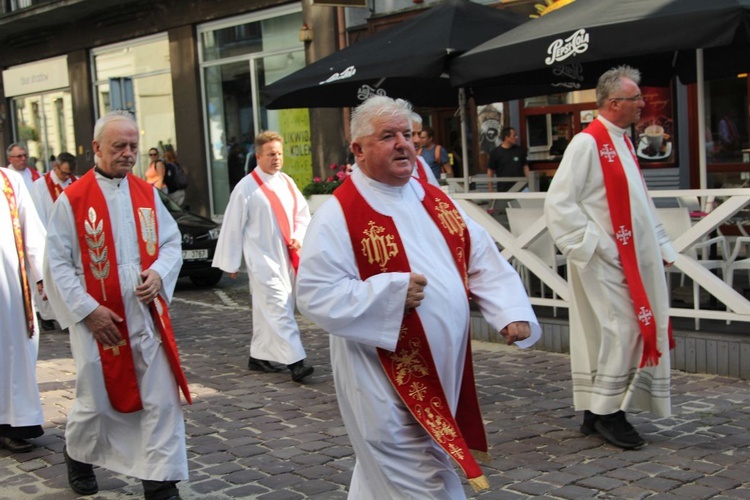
x: 731, y: 201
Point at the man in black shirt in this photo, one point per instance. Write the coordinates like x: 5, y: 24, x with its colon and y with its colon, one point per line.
x: 507, y: 160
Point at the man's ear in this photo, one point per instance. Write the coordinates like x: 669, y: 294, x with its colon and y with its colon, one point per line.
x: 95, y: 147
x: 356, y: 149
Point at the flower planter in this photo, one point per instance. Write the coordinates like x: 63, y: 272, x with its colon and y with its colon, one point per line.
x: 316, y: 200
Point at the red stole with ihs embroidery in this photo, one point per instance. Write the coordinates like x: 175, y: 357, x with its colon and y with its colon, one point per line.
x: 99, y: 260
x: 618, y: 200
x: 411, y: 368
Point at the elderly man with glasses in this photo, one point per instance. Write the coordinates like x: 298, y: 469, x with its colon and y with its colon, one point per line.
x: 45, y: 192
x: 600, y: 215
x: 18, y: 161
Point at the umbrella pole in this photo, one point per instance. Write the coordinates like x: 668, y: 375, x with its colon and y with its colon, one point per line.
x: 701, y: 122
x: 464, y: 140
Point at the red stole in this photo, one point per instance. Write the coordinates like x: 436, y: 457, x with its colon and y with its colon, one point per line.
x: 34, y: 173
x: 280, y: 214
x: 411, y: 368
x: 54, y: 188
x: 618, y: 199
x: 10, y: 196
x: 99, y: 260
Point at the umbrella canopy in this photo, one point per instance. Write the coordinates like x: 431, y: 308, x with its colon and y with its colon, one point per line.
x: 408, y: 60
x: 570, y: 47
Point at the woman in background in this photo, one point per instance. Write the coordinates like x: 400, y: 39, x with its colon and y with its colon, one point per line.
x: 156, y: 169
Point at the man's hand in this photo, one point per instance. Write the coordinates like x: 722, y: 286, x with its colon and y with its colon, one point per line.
x: 415, y: 292
x: 518, y: 330
x: 101, y: 322
x: 294, y: 244
x: 149, y: 289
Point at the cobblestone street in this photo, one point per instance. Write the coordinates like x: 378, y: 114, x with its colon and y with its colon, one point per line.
x: 254, y: 435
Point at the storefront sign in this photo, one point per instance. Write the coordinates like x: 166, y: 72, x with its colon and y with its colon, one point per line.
x: 36, y: 77
x: 294, y: 126
x: 655, y: 132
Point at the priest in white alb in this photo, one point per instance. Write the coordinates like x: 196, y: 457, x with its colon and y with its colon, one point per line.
x: 21, y: 253
x: 388, y: 269
x: 266, y: 220
x: 601, y: 217
x: 114, y: 254
x: 45, y: 192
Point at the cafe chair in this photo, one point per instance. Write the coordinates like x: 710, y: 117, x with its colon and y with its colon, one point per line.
x: 676, y: 222
x: 739, y: 260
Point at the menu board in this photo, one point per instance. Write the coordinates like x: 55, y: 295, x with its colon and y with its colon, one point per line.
x: 655, y: 132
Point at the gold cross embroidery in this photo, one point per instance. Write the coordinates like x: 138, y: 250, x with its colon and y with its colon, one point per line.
x: 116, y: 348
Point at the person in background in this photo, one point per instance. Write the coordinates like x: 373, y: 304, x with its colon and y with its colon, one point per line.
x: 45, y: 192
x: 266, y: 220
x: 388, y: 268
x: 435, y: 155
x: 176, y: 194
x: 601, y: 217
x: 21, y: 254
x: 421, y: 169
x: 114, y: 254
x: 507, y: 160
x: 18, y: 160
x: 156, y: 169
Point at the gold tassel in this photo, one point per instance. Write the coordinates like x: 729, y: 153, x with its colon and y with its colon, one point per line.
x: 482, y: 456
x: 479, y: 483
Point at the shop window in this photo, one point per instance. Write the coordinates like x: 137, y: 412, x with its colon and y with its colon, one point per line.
x: 263, y: 48
x: 726, y: 109
x: 136, y: 76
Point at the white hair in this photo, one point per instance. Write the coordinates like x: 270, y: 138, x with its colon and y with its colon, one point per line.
x: 364, y: 115
x: 611, y: 82
x: 112, y: 116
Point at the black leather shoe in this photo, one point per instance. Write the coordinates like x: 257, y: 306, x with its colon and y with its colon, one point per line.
x: 81, y: 476
x: 16, y: 445
x: 300, y: 371
x: 588, y: 426
x: 261, y: 365
x: 160, y: 490
x: 617, y: 430
x: 48, y: 325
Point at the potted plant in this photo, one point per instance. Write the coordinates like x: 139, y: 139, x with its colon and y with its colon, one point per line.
x: 319, y: 189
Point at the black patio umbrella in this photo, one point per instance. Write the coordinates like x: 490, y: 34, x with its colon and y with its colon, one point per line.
x: 409, y: 60
x: 572, y: 46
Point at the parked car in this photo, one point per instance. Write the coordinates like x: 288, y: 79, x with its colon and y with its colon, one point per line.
x: 199, y: 236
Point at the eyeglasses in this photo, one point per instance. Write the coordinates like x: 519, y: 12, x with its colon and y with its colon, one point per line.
x: 64, y: 173
x: 19, y: 156
x: 635, y: 98
x: 153, y: 154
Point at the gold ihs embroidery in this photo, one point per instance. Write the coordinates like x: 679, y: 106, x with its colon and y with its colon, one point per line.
x: 450, y: 218
x: 377, y: 247
x: 95, y: 240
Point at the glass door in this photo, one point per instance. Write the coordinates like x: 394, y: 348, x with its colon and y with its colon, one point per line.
x: 44, y: 125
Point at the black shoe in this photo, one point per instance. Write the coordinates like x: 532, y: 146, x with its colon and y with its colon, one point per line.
x: 588, y: 426
x: 48, y: 325
x: 160, y: 490
x: 81, y: 476
x: 617, y: 430
x: 261, y: 365
x: 16, y: 445
x: 300, y: 371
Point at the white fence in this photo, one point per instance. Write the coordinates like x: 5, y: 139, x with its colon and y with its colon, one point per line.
x: 731, y: 202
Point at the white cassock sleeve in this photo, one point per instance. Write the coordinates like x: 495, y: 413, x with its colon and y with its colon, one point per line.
x: 572, y: 230
x: 496, y: 287
x: 331, y: 293
x: 42, y: 199
x: 228, y: 254
x: 32, y: 229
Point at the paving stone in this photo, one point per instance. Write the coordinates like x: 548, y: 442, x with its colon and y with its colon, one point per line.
x: 254, y: 435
